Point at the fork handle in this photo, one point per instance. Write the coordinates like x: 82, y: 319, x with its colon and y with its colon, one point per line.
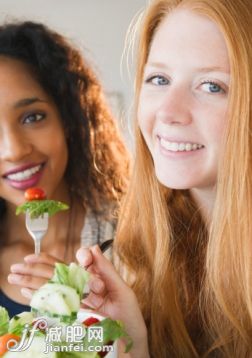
x: 37, y: 246
x: 37, y: 237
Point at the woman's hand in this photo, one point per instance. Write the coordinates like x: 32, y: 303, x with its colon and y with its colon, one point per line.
x: 32, y: 273
x: 110, y: 296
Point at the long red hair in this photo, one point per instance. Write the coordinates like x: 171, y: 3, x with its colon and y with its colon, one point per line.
x: 194, y: 283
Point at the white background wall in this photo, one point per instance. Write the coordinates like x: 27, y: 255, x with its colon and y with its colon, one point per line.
x: 98, y: 27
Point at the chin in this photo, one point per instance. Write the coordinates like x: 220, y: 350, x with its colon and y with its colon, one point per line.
x: 178, y: 183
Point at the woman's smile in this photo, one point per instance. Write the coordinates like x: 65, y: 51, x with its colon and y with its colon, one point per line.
x: 178, y: 149
x: 25, y: 176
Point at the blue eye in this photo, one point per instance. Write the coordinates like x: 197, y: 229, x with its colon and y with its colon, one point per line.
x: 158, y: 80
x: 33, y: 118
x: 212, y: 87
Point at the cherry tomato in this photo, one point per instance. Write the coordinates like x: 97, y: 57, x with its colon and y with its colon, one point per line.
x: 90, y: 320
x: 4, y: 341
x: 35, y: 194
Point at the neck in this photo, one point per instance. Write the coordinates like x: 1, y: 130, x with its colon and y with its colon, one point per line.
x: 205, y: 199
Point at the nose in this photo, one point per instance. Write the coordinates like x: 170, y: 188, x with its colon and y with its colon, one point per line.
x: 14, y: 146
x: 175, y: 106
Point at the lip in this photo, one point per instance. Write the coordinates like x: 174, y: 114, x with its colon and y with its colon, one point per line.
x: 21, y: 168
x: 176, y: 139
x: 29, y: 183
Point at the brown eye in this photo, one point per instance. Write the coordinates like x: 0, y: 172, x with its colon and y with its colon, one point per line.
x: 33, y: 118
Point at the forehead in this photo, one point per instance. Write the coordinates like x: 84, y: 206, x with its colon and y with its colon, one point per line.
x: 15, y: 69
x: 17, y: 80
x: 184, y: 31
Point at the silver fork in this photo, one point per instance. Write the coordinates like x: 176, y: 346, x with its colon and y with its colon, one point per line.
x: 37, y: 228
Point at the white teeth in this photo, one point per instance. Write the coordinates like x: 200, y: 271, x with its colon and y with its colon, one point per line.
x: 24, y: 175
x: 188, y: 147
x: 175, y: 147
x: 182, y: 147
x: 179, y: 147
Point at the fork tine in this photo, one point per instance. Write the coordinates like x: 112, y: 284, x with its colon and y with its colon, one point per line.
x: 37, y: 224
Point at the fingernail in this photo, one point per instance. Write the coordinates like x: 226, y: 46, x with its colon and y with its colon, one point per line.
x: 26, y: 292
x: 16, y: 267
x: 30, y: 258
x: 12, y: 278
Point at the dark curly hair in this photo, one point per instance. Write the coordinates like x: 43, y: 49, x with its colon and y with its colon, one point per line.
x: 97, y: 168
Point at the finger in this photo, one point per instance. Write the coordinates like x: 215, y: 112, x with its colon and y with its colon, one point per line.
x: 39, y: 270
x: 93, y: 301
x: 42, y: 258
x: 106, y: 270
x: 27, y: 293
x: 96, y: 285
x: 26, y: 281
x: 84, y: 257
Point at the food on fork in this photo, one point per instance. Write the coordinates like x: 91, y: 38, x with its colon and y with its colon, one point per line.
x: 37, y: 209
x: 58, y: 304
x: 34, y: 194
x: 37, y: 204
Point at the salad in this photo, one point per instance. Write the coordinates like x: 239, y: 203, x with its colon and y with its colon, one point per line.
x: 54, y: 308
x: 37, y: 204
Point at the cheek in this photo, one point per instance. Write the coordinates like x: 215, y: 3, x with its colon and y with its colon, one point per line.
x: 213, y: 125
x: 221, y: 125
x: 62, y: 150
x: 59, y: 150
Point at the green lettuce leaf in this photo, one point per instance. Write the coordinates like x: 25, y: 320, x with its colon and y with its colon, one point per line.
x: 72, y: 275
x: 112, y: 330
x: 60, y: 275
x: 17, y: 323
x: 4, y: 321
x: 37, y: 208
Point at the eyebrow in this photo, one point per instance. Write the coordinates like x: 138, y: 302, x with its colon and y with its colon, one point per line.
x: 27, y: 101
x: 200, y: 69
x: 212, y: 69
